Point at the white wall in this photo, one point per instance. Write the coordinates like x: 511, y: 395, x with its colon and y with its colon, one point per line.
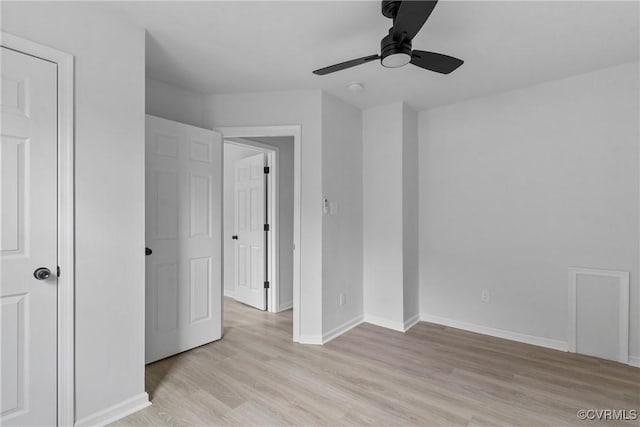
x: 342, y: 230
x: 109, y: 189
x: 231, y: 154
x: 517, y: 187
x: 289, y: 108
x: 382, y: 219
x: 390, y: 216
x: 173, y: 103
x: 410, y: 257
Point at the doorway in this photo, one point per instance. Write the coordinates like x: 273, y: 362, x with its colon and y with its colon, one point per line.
x: 184, y: 207
x: 265, y: 283
x: 254, y: 136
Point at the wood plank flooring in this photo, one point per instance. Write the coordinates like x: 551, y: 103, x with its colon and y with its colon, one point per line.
x: 430, y: 376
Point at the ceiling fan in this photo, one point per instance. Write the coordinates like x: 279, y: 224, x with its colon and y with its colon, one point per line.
x: 395, y: 48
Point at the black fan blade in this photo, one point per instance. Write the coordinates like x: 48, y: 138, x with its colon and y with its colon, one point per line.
x: 345, y: 65
x: 435, y: 61
x: 411, y: 16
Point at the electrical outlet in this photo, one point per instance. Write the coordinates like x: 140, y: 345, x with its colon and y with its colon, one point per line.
x: 485, y: 297
x: 343, y: 298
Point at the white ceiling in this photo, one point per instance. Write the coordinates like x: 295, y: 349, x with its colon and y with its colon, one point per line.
x: 229, y: 47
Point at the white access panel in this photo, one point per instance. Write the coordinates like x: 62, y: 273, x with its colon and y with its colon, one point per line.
x: 599, y: 313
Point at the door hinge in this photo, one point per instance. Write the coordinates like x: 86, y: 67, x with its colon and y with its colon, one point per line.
x: 266, y: 227
x: 266, y: 170
x: 58, y: 271
x: 266, y: 284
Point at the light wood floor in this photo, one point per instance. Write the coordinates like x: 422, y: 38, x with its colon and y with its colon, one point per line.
x: 430, y: 376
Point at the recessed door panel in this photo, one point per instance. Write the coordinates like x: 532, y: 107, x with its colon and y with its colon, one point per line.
x: 200, y: 205
x: 165, y: 211
x: 200, y: 289
x: 200, y: 151
x: 241, y: 210
x: 255, y: 211
x: 15, y: 363
x: 166, y: 145
x: 15, y: 183
x: 166, y: 301
x: 14, y: 96
x: 256, y: 265
x: 242, y: 264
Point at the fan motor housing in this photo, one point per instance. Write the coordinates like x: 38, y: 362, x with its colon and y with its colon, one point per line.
x: 389, y: 46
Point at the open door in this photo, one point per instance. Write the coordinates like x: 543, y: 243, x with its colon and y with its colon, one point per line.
x: 250, y: 226
x: 183, y: 235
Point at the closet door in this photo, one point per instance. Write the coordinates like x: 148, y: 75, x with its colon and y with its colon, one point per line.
x: 28, y: 240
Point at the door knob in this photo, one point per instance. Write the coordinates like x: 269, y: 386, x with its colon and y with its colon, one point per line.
x: 42, y: 273
x: 234, y: 237
x: 147, y: 251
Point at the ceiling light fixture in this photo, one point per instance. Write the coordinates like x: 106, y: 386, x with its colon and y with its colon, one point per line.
x: 396, y: 60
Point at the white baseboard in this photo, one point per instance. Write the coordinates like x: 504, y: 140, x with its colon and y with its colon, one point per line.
x: 115, y: 412
x: 310, y: 339
x: 385, y: 323
x: 229, y: 293
x: 285, y: 306
x: 634, y: 361
x: 339, y: 330
x: 392, y: 324
x: 499, y: 333
x: 409, y: 323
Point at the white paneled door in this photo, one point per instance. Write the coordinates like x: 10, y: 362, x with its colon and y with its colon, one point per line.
x: 249, y: 195
x: 28, y: 234
x: 183, y: 232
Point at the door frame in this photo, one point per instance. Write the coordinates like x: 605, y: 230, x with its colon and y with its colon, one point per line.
x: 295, y: 132
x: 66, y: 243
x: 272, y: 155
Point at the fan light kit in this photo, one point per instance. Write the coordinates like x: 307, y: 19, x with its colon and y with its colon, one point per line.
x: 395, y: 48
x: 396, y: 60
